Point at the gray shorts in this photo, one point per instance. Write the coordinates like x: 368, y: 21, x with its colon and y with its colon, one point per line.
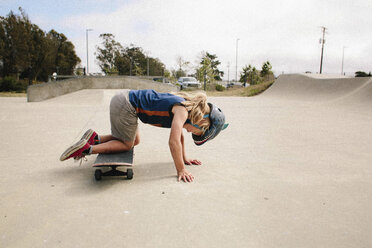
x: 123, y: 117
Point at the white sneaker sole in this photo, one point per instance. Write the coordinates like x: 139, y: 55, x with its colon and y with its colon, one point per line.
x: 66, y: 154
x: 87, y: 134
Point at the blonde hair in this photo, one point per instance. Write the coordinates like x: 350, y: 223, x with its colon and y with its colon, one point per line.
x: 197, y: 106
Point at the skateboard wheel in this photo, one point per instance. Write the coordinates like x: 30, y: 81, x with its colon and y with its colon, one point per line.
x: 98, y: 175
x: 129, y: 174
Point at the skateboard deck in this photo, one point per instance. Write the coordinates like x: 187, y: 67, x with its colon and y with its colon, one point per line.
x: 114, y: 160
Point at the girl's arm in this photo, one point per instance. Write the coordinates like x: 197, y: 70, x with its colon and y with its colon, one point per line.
x: 185, y: 159
x: 183, y: 147
x: 175, y: 144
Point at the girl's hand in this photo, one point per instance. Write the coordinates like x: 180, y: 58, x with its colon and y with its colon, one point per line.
x: 185, y: 176
x: 192, y: 161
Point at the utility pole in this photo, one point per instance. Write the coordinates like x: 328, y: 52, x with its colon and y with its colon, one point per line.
x: 322, y: 41
x: 148, y: 67
x: 228, y: 72
x: 236, y: 62
x: 148, y: 63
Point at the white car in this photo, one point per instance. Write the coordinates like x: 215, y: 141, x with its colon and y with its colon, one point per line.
x: 188, y: 82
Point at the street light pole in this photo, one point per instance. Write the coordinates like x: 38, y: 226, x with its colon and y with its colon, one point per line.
x: 322, y: 41
x: 236, y: 62
x: 86, y: 31
x: 342, y: 67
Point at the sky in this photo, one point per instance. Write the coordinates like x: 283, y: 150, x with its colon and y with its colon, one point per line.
x: 286, y: 32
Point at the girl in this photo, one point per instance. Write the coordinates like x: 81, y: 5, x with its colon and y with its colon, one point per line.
x: 175, y: 111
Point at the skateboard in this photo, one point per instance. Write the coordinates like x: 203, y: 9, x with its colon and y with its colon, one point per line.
x: 114, y: 160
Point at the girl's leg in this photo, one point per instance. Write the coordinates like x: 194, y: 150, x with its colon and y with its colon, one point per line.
x: 110, y: 144
x: 106, y: 138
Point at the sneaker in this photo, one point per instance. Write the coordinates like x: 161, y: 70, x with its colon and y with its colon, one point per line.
x: 79, y: 149
x: 91, y: 136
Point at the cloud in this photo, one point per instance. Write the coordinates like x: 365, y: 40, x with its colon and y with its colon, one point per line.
x: 285, y: 32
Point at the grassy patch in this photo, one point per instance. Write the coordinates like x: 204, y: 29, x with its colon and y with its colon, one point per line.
x: 248, y: 91
x: 13, y: 94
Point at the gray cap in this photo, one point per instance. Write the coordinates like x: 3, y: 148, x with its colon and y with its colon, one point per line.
x: 217, y: 119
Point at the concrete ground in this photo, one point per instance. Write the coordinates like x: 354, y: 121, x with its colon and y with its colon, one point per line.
x: 286, y: 173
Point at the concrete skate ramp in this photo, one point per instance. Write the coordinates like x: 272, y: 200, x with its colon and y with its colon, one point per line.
x: 302, y: 87
x: 41, y: 92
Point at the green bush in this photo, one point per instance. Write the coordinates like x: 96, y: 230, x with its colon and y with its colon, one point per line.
x: 11, y: 84
x: 7, y: 84
x: 21, y: 86
x: 219, y: 87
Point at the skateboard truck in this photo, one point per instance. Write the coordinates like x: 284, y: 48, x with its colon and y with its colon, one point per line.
x: 113, y: 173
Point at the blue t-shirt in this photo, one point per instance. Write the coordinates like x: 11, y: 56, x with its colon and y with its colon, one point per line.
x: 154, y: 108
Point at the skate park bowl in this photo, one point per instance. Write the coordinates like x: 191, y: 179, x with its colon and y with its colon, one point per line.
x: 322, y: 88
x: 293, y: 169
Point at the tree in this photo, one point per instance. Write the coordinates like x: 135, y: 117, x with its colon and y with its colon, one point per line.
x: 251, y: 75
x: 209, y: 66
x: 214, y: 66
x: 178, y: 73
x: 63, y: 53
x: 182, y: 67
x: 15, y: 44
x: 114, y: 58
x: 108, y: 55
x: 254, y: 77
x: 138, y: 59
x: 157, y: 68
x: 362, y: 74
x: 137, y: 62
x: 244, y: 76
x: 38, y: 53
x: 205, y: 70
x: 54, y: 53
x: 123, y: 64
x: 68, y: 58
x: 266, y: 69
x: 26, y: 51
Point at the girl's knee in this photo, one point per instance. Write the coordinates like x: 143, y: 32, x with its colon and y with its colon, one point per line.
x: 136, y: 141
